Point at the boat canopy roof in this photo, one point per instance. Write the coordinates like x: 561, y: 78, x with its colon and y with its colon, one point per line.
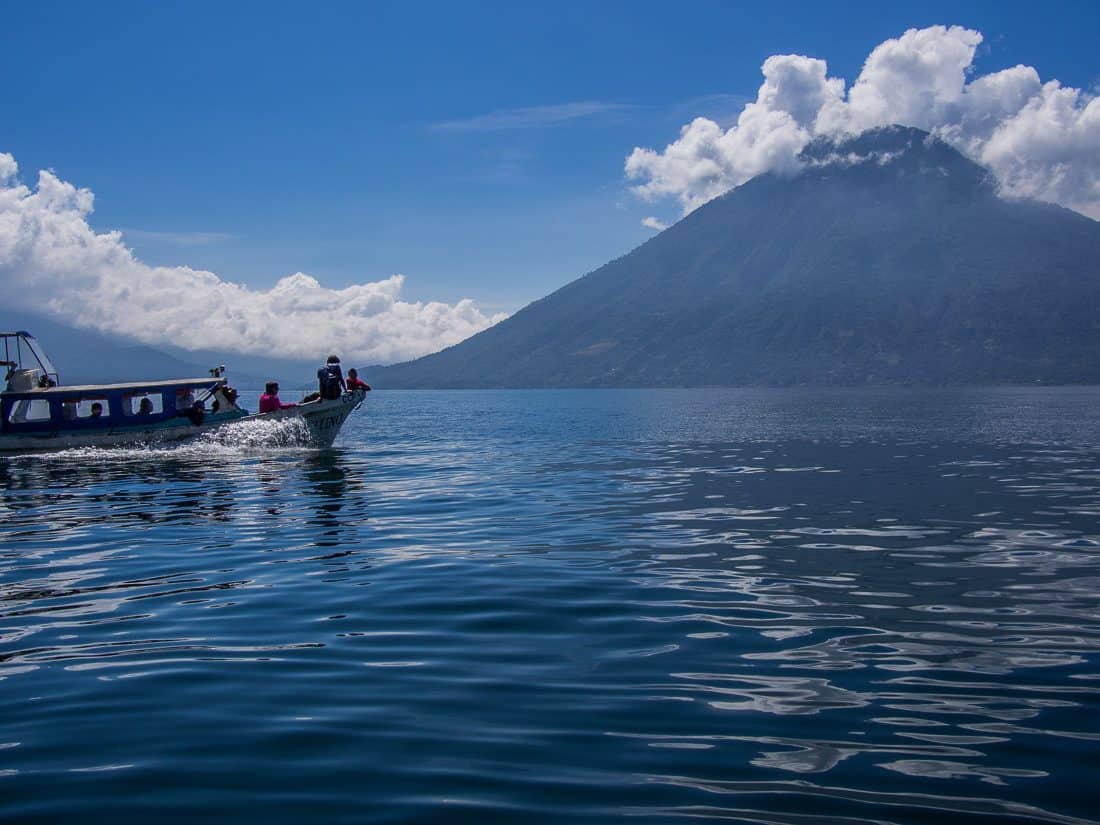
x: 130, y: 386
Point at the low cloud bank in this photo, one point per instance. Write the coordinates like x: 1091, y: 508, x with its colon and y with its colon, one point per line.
x: 52, y: 261
x: 1041, y: 140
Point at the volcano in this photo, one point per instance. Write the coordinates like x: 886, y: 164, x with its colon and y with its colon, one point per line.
x: 888, y: 258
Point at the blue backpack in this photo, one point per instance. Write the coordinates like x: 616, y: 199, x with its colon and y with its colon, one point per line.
x: 329, y: 378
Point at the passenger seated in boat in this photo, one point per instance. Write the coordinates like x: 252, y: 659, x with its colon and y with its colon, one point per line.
x: 330, y: 379
x: 145, y: 407
x: 269, y: 401
x: 97, y: 410
x: 354, y: 383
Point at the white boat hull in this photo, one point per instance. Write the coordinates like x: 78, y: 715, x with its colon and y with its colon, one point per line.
x: 323, y: 418
x: 72, y: 440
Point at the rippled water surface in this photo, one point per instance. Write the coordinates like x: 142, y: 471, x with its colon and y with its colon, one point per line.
x: 757, y: 606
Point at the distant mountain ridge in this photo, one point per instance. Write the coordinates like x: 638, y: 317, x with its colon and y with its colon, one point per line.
x: 888, y: 259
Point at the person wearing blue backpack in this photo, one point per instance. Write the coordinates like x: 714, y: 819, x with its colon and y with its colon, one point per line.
x: 330, y: 379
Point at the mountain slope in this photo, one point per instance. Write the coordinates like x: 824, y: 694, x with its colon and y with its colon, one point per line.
x: 888, y: 259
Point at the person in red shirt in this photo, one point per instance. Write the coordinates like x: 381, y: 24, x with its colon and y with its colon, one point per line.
x: 354, y: 383
x: 269, y: 401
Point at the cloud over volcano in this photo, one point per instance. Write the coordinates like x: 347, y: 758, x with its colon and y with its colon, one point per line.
x: 1041, y: 139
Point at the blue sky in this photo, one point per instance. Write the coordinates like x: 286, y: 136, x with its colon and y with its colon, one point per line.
x: 476, y: 148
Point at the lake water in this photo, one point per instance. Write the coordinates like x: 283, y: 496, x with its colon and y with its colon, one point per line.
x: 760, y: 606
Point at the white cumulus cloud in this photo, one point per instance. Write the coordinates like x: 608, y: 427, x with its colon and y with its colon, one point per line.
x: 654, y: 223
x: 52, y: 261
x: 1040, y: 139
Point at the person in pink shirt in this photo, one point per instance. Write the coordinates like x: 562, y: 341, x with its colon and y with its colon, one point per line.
x: 269, y: 401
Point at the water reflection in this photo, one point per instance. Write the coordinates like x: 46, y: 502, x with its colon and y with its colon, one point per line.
x: 329, y: 484
x: 92, y: 536
x: 152, y: 489
x: 783, y: 621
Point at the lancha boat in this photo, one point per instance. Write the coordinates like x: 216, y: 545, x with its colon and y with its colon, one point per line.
x: 38, y: 413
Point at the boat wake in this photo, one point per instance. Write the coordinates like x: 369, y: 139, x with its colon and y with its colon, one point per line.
x: 256, y: 434
x: 237, y: 438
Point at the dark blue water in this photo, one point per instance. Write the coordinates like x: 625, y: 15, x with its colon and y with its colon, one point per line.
x: 756, y: 606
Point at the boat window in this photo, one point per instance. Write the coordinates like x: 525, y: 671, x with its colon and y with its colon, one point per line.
x: 89, y: 408
x: 28, y: 410
x: 143, y: 404
x: 184, y: 399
